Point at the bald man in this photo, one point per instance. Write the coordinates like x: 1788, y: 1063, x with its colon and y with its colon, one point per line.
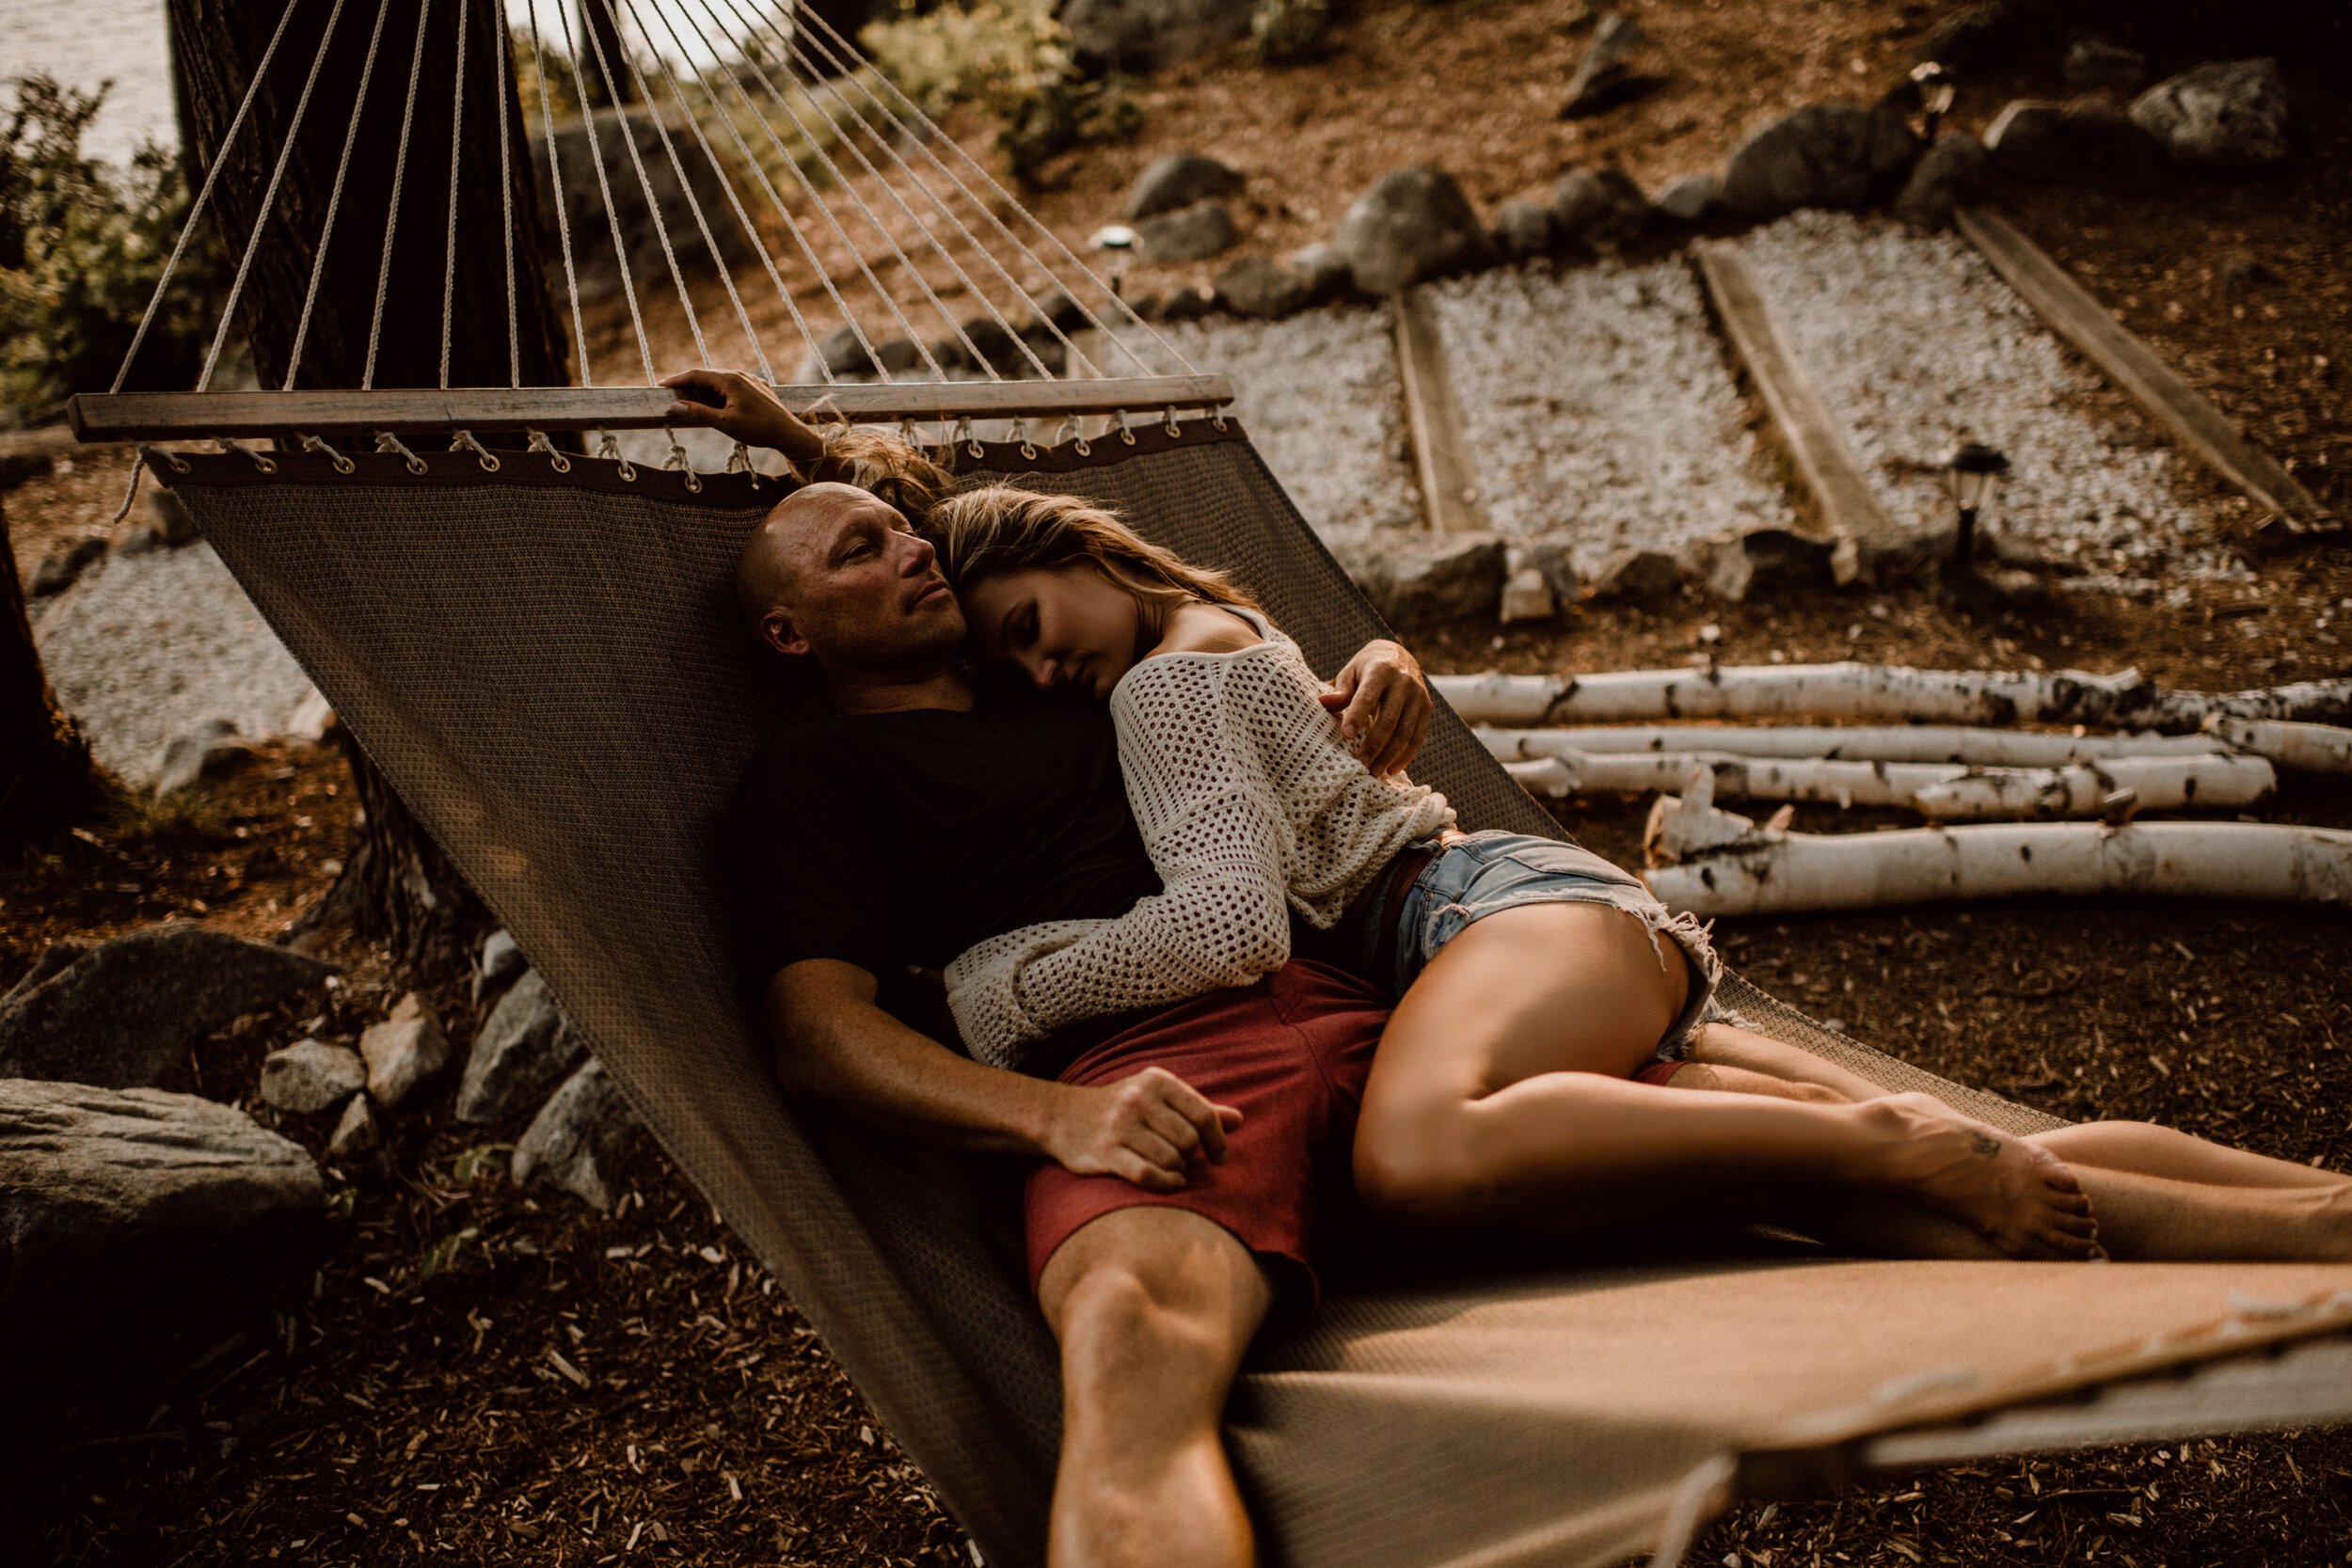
x: 1182, y: 1152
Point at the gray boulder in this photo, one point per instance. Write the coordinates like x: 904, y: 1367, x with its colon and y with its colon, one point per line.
x: 1322, y: 271
x: 522, y: 1050
x: 1685, y: 199
x: 357, y: 1130
x: 1949, y: 173
x: 124, y: 1014
x: 2230, y: 115
x: 57, y: 573
x: 575, y: 1140
x: 404, y: 1052
x: 311, y: 1076
x: 1145, y: 36
x: 1768, y: 564
x: 1636, y: 573
x: 1194, y: 233
x: 1821, y: 155
x: 1551, y: 558
x: 500, y: 960
x: 1604, y: 77
x: 1601, y: 209
x: 2096, y: 63
x: 206, y: 752
x: 1524, y: 228
x: 126, y: 1201
x: 843, y: 353
x: 52, y: 961
x: 1178, y: 180
x: 1427, y: 580
x: 1256, y: 286
x: 2091, y: 146
x: 1414, y: 223
x: 1526, y: 597
x: 1186, y: 304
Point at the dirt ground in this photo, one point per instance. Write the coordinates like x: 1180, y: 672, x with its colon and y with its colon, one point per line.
x: 467, y: 1373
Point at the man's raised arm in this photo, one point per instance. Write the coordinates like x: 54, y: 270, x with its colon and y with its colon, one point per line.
x: 833, y: 1045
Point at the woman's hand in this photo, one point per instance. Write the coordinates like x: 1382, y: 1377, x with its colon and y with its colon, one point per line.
x: 742, y: 407
x: 1149, y: 1130
x: 1383, y: 702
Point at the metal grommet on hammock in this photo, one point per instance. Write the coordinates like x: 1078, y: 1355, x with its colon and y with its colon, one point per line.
x: 1124, y: 434
x: 556, y: 460
x: 964, y: 438
x: 1019, y: 433
x: 462, y: 440
x: 609, y: 445
x: 1216, y: 418
x: 313, y: 443
x: 387, y: 441
x: 1175, y: 432
x: 165, y: 456
x: 267, y: 465
x: 1075, y: 432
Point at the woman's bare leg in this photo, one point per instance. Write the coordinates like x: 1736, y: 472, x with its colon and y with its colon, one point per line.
x: 1729, y: 1045
x: 2147, y: 1149
x: 1499, y: 1098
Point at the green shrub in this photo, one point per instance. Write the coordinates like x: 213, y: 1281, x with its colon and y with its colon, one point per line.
x: 1012, y: 60
x: 1289, y: 32
x: 81, y: 249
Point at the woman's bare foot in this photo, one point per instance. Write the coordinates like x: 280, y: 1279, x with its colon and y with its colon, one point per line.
x: 2018, y: 1197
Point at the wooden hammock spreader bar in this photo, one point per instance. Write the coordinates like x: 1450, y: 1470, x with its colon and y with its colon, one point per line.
x: 194, y: 416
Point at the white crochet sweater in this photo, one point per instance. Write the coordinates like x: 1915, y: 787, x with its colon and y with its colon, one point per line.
x: 1249, y: 805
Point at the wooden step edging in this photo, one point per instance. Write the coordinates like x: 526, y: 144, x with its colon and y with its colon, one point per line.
x: 2172, y: 403
x: 1817, y: 443
x: 1452, y: 501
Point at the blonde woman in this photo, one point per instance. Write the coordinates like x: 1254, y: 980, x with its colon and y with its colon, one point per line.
x: 1544, y: 998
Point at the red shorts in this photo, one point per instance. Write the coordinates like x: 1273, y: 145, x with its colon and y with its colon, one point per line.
x: 1291, y: 1054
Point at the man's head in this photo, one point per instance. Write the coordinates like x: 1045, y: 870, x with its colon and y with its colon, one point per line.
x: 834, y: 574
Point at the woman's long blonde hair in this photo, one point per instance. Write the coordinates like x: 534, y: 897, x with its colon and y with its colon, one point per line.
x: 997, y: 529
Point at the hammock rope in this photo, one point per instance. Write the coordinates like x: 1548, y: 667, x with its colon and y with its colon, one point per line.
x: 456, y: 140
x: 400, y: 172
x: 269, y: 196
x: 604, y: 185
x: 334, y: 198
x: 506, y: 209
x: 563, y: 207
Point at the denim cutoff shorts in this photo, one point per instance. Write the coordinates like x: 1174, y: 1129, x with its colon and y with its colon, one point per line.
x: 1492, y: 871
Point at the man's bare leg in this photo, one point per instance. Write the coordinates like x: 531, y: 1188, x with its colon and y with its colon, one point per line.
x: 1153, y: 1308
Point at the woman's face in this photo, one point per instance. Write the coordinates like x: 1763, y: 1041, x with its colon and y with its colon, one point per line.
x: 1069, y: 629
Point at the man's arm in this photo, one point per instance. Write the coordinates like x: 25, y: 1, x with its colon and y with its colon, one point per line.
x: 835, y: 1045
x: 745, y: 407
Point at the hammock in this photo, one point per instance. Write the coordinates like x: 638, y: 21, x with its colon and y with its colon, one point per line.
x: 540, y: 652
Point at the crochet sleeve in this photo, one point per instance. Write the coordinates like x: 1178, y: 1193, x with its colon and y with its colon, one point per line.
x: 1213, y: 827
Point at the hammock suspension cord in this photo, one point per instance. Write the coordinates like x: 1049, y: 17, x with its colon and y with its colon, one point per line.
x: 604, y: 184
x: 563, y: 207
x: 391, y: 217
x: 334, y: 198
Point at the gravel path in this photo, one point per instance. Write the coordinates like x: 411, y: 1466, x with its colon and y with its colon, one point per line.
x: 146, y: 647
x: 1912, y: 340
x: 1320, y: 395
x: 1603, y: 408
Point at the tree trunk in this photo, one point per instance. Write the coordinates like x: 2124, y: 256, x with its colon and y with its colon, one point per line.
x: 396, y: 885
x: 600, y: 29
x: 47, y: 777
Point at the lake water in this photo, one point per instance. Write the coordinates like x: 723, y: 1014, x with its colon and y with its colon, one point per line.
x: 85, y: 42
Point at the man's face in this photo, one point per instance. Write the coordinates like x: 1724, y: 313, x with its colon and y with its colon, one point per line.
x: 856, y: 589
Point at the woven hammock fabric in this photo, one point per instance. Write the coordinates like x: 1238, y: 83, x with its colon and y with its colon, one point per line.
x: 550, y: 669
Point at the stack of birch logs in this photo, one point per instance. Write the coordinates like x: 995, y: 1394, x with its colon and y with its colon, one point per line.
x: 1950, y: 745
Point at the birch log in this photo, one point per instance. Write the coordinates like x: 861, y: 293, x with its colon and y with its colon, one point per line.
x: 1766, y: 873
x: 2307, y: 748
x: 1944, y: 743
x: 1878, y: 693
x: 1937, y: 791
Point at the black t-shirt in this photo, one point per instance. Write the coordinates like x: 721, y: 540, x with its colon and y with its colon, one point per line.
x: 890, y: 839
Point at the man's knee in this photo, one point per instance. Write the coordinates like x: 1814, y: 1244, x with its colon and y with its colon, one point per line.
x: 1154, y: 1282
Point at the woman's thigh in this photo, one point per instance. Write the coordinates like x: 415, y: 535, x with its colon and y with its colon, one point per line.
x: 1541, y: 987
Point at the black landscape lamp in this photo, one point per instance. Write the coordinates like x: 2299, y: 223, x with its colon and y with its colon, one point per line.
x: 1936, y: 84
x: 1119, y: 241
x: 1973, y: 469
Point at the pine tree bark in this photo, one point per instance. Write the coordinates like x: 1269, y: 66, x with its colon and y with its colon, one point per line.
x: 47, y: 776
x: 492, y: 331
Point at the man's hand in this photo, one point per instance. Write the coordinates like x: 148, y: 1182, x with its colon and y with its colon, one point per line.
x: 1383, y: 703
x: 1150, y: 1129
x: 742, y: 407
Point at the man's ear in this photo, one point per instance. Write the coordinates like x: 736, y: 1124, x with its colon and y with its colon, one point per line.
x: 778, y: 631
